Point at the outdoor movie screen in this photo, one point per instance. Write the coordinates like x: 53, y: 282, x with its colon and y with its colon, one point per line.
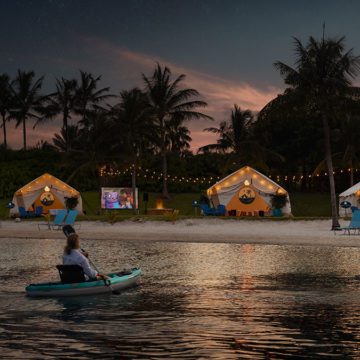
x: 118, y: 198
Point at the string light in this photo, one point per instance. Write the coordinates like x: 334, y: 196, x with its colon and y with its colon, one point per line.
x: 149, y: 174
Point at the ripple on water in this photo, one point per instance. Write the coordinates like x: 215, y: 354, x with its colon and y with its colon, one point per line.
x: 218, y: 301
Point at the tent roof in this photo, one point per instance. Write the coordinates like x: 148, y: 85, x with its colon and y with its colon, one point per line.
x: 355, y: 188
x: 242, y: 175
x: 46, y: 180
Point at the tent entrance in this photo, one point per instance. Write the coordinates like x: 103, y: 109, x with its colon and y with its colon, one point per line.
x: 57, y: 204
x: 257, y: 202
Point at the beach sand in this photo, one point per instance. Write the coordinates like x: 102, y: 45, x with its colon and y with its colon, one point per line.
x: 214, y: 230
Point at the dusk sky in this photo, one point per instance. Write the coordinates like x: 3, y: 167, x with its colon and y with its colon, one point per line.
x: 226, y: 48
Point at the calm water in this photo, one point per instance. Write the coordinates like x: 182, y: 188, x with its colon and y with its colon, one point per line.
x: 218, y: 301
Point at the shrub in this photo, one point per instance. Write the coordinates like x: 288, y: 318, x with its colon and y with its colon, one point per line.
x: 278, y: 201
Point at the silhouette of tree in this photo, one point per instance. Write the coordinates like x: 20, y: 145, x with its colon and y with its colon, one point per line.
x: 28, y: 103
x: 88, y: 96
x: 321, y: 81
x: 6, y: 101
x: 169, y: 102
x: 62, y: 102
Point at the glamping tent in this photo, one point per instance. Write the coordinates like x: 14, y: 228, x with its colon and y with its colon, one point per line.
x: 352, y: 195
x: 46, y: 191
x: 246, y: 192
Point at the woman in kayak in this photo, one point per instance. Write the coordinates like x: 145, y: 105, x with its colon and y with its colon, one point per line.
x: 73, y: 255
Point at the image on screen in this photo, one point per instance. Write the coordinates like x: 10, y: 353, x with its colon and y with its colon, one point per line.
x: 118, y: 198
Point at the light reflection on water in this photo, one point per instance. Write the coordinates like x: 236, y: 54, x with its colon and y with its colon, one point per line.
x: 222, y: 301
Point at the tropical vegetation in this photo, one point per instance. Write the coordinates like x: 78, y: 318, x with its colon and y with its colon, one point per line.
x: 306, y: 138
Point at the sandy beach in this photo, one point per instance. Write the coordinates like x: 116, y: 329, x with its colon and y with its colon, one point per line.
x: 310, y: 232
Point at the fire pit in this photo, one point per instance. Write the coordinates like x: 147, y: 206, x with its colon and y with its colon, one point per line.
x: 159, y: 208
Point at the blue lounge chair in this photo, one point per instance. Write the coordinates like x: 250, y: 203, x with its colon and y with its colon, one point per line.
x: 70, y: 219
x: 220, y: 210
x: 207, y: 210
x: 354, y: 224
x: 58, y: 220
x: 23, y: 213
x: 38, y: 211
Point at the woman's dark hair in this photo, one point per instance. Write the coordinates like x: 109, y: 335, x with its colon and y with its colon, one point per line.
x: 72, y: 243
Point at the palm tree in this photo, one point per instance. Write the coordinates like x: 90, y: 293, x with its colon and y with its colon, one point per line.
x: 27, y: 100
x: 178, y: 139
x: 168, y: 103
x: 322, y: 81
x: 233, y: 135
x: 67, y: 140
x: 223, y: 143
x: 63, y: 102
x: 92, y: 147
x: 134, y: 124
x: 88, y: 96
x: 350, y: 132
x: 6, y: 100
x: 237, y: 141
x: 349, y: 155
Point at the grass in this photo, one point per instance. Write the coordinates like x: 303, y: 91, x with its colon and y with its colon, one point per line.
x: 310, y: 205
x: 304, y: 206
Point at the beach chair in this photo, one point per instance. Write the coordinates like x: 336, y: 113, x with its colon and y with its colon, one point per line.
x: 353, y: 226
x: 38, y: 211
x: 58, y: 220
x: 71, y: 217
x: 220, y: 210
x: 207, y: 210
x: 23, y: 213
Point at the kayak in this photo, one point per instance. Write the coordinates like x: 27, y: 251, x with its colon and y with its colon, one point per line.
x: 116, y: 281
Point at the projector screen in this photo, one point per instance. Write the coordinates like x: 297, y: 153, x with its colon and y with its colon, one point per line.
x: 118, y: 198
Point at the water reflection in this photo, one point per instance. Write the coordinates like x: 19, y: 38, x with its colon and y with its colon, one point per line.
x: 196, y: 300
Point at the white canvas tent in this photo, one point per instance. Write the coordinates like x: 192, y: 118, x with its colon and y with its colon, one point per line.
x: 246, y: 191
x: 352, y: 195
x: 31, y: 194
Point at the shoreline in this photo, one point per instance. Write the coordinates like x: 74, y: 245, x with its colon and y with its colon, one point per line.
x: 286, y: 232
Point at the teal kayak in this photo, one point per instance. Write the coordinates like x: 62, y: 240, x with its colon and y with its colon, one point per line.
x: 117, y: 281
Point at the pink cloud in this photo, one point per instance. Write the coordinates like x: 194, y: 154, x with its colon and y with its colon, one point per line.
x: 124, y: 67
x: 41, y: 132
x: 220, y: 94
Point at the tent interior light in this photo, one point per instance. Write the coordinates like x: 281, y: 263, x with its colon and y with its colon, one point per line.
x: 46, y: 188
x: 246, y: 182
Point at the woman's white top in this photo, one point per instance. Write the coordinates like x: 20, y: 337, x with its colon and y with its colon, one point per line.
x: 77, y: 258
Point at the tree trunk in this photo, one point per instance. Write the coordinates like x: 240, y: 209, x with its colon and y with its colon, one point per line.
x: 165, y: 192
x: 4, y: 131
x: 328, y: 158
x: 65, y: 127
x: 351, y: 173
x: 24, y: 132
x: 133, y: 183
